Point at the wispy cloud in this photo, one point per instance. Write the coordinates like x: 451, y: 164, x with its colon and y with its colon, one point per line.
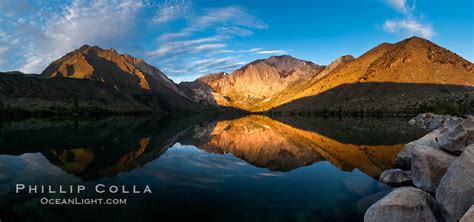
x: 170, y: 33
x: 48, y: 34
x: 233, y: 20
x: 196, y: 67
x: 221, y: 25
x: 410, y: 24
x: 401, y: 5
x: 408, y: 27
x: 237, y: 51
x: 171, y: 10
x: 274, y: 52
x: 186, y: 47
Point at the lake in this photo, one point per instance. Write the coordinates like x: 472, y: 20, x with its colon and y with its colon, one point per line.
x: 249, y: 168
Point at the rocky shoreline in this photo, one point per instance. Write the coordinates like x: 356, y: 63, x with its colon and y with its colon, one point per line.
x: 434, y: 178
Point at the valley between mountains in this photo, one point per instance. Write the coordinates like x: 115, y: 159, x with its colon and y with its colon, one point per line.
x: 411, y: 76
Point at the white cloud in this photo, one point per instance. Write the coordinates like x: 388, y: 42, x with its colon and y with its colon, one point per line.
x: 51, y: 32
x: 34, y: 35
x: 231, y: 20
x: 236, y: 51
x: 275, y: 52
x: 196, y: 67
x: 223, y: 24
x: 171, y: 10
x: 255, y: 49
x: 400, y: 5
x: 409, y: 27
x: 410, y: 24
x: 186, y: 46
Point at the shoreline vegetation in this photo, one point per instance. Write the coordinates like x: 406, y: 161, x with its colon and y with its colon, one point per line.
x: 100, y: 112
x: 97, y: 112
x: 434, y: 175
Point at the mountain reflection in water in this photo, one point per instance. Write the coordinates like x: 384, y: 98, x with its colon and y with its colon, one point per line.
x: 92, y: 149
x: 251, y: 168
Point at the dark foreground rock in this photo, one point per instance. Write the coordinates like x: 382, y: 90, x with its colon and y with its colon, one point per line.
x: 455, y: 193
x: 428, y: 166
x: 404, y: 204
x: 396, y: 177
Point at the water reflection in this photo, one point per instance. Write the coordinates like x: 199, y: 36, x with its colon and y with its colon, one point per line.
x: 250, y: 168
x: 264, y: 142
x: 92, y: 149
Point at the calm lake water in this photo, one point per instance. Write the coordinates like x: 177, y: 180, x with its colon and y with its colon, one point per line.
x: 252, y: 168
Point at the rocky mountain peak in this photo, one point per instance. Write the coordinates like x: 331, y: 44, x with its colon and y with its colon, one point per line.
x: 286, y: 63
x: 132, y: 59
x: 341, y: 60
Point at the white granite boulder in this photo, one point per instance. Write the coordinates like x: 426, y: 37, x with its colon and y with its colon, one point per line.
x: 428, y: 167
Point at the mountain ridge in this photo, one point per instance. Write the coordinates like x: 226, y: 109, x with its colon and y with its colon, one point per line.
x: 413, y: 60
x: 404, y: 70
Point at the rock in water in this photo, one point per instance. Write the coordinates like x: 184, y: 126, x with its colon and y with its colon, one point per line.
x: 453, y: 135
x: 432, y: 121
x: 454, y: 139
x: 404, y: 204
x: 428, y: 167
x: 468, y: 216
x: 396, y: 177
x: 455, y: 193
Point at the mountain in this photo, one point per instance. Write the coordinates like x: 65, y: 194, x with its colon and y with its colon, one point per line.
x: 92, y: 79
x: 401, y: 77
x: 123, y: 72
x: 407, y: 76
x: 411, y: 76
x: 254, y: 84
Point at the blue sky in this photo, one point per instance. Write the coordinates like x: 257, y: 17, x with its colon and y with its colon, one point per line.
x: 187, y: 39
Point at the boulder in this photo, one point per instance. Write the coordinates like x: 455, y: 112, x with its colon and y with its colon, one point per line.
x: 455, y: 138
x: 428, y: 167
x: 396, y: 177
x: 468, y: 216
x: 365, y: 202
x: 432, y: 121
x: 404, y: 204
x: 455, y: 193
x: 403, y: 158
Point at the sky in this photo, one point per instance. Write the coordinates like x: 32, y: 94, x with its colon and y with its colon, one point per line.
x: 187, y: 39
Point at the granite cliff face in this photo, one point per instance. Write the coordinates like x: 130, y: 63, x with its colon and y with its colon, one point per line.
x: 256, y: 83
